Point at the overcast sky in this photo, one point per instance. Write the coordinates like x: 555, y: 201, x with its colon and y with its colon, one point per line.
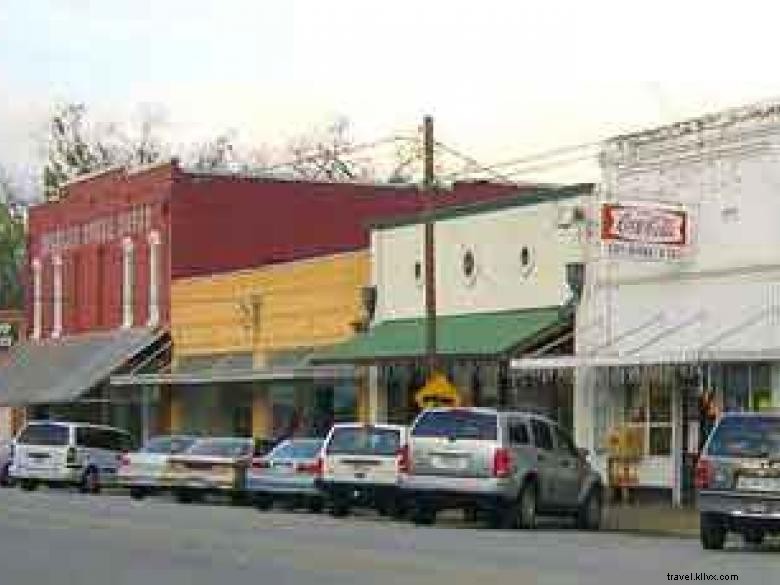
x: 503, y: 79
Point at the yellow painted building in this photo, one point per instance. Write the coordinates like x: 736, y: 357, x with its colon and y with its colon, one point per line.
x: 240, y: 340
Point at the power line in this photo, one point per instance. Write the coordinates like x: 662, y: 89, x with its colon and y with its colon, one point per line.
x: 315, y: 155
x: 478, y: 166
x: 529, y: 158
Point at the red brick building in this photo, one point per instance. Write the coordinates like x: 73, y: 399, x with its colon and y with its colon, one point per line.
x: 101, y: 260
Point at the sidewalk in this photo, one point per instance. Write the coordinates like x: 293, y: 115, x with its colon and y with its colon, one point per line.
x: 652, y: 519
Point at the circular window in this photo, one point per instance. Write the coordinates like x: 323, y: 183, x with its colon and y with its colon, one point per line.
x: 469, y: 264
x: 526, y: 261
x: 418, y: 273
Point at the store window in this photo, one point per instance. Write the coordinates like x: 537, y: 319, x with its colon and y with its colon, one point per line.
x: 648, y: 409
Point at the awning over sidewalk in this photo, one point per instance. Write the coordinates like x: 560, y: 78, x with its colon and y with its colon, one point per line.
x: 277, y: 373
x: 477, y: 335
x: 615, y: 361
x: 61, y: 370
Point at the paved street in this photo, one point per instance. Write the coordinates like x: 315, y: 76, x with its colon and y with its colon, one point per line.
x: 64, y: 538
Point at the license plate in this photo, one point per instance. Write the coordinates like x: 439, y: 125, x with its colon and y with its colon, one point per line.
x: 759, y: 484
x: 453, y: 462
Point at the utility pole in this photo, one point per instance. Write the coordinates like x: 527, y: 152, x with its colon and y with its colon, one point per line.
x: 429, y: 253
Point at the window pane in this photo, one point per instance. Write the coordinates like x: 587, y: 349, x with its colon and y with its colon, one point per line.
x: 518, y: 434
x: 542, y: 435
x: 746, y: 436
x: 457, y: 424
x: 635, y: 397
x: 660, y: 440
x: 364, y: 441
x: 660, y: 399
x: 49, y: 435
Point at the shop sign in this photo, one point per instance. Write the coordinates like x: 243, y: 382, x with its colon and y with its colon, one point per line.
x: 645, y: 231
x: 7, y: 335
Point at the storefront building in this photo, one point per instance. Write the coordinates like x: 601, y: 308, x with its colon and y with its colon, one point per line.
x: 504, y: 288
x: 267, y: 272
x: 682, y: 294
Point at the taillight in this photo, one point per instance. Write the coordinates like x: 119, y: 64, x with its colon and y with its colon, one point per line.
x: 404, y: 461
x: 502, y: 463
x: 70, y: 456
x: 704, y: 474
x: 124, y: 460
x: 313, y: 468
x: 260, y: 464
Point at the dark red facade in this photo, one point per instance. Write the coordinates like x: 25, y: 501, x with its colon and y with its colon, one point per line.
x: 220, y: 224
x: 86, y: 230
x: 207, y: 224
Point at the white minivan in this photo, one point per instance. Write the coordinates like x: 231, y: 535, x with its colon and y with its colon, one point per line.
x: 68, y: 453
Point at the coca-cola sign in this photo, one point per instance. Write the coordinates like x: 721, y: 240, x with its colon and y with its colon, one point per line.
x: 644, y: 230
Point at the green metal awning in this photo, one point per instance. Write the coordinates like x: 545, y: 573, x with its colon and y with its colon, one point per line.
x: 61, y: 370
x: 476, y: 335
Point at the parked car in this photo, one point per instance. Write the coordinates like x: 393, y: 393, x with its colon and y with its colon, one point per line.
x: 738, y: 479
x: 288, y: 474
x: 68, y: 453
x: 214, y: 465
x: 6, y: 457
x: 144, y: 471
x: 510, y: 466
x: 360, y: 467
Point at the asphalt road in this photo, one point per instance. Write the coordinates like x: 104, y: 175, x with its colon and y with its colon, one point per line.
x: 66, y: 538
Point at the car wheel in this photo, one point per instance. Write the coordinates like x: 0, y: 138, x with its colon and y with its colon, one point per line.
x: 754, y: 537
x: 28, y: 485
x: 712, y: 532
x: 137, y: 493
x: 5, y: 476
x: 423, y: 514
x: 237, y: 499
x: 314, y: 505
x: 527, y: 504
x: 397, y: 509
x: 90, y: 482
x: 339, y: 508
x: 263, y: 502
x: 589, y: 514
x: 470, y: 514
x: 184, y: 497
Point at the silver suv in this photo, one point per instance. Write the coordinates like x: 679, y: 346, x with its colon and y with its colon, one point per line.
x: 508, y: 465
x: 738, y: 479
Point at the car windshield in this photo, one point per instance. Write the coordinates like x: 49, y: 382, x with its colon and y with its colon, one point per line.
x: 44, y: 434
x: 457, y: 424
x: 746, y: 436
x: 365, y: 440
x: 168, y: 445
x: 296, y: 449
x: 230, y: 448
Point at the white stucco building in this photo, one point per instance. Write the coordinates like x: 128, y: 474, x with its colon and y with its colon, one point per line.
x: 682, y: 289
x: 501, y: 291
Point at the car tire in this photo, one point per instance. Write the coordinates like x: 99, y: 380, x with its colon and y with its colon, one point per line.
x: 237, y: 499
x: 5, y: 475
x: 315, y: 505
x: 527, y: 506
x: 423, y: 514
x: 263, y: 502
x: 28, y: 485
x: 753, y: 537
x: 90, y: 482
x: 184, y: 497
x: 712, y: 532
x: 137, y: 493
x: 589, y: 514
x: 338, y: 508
